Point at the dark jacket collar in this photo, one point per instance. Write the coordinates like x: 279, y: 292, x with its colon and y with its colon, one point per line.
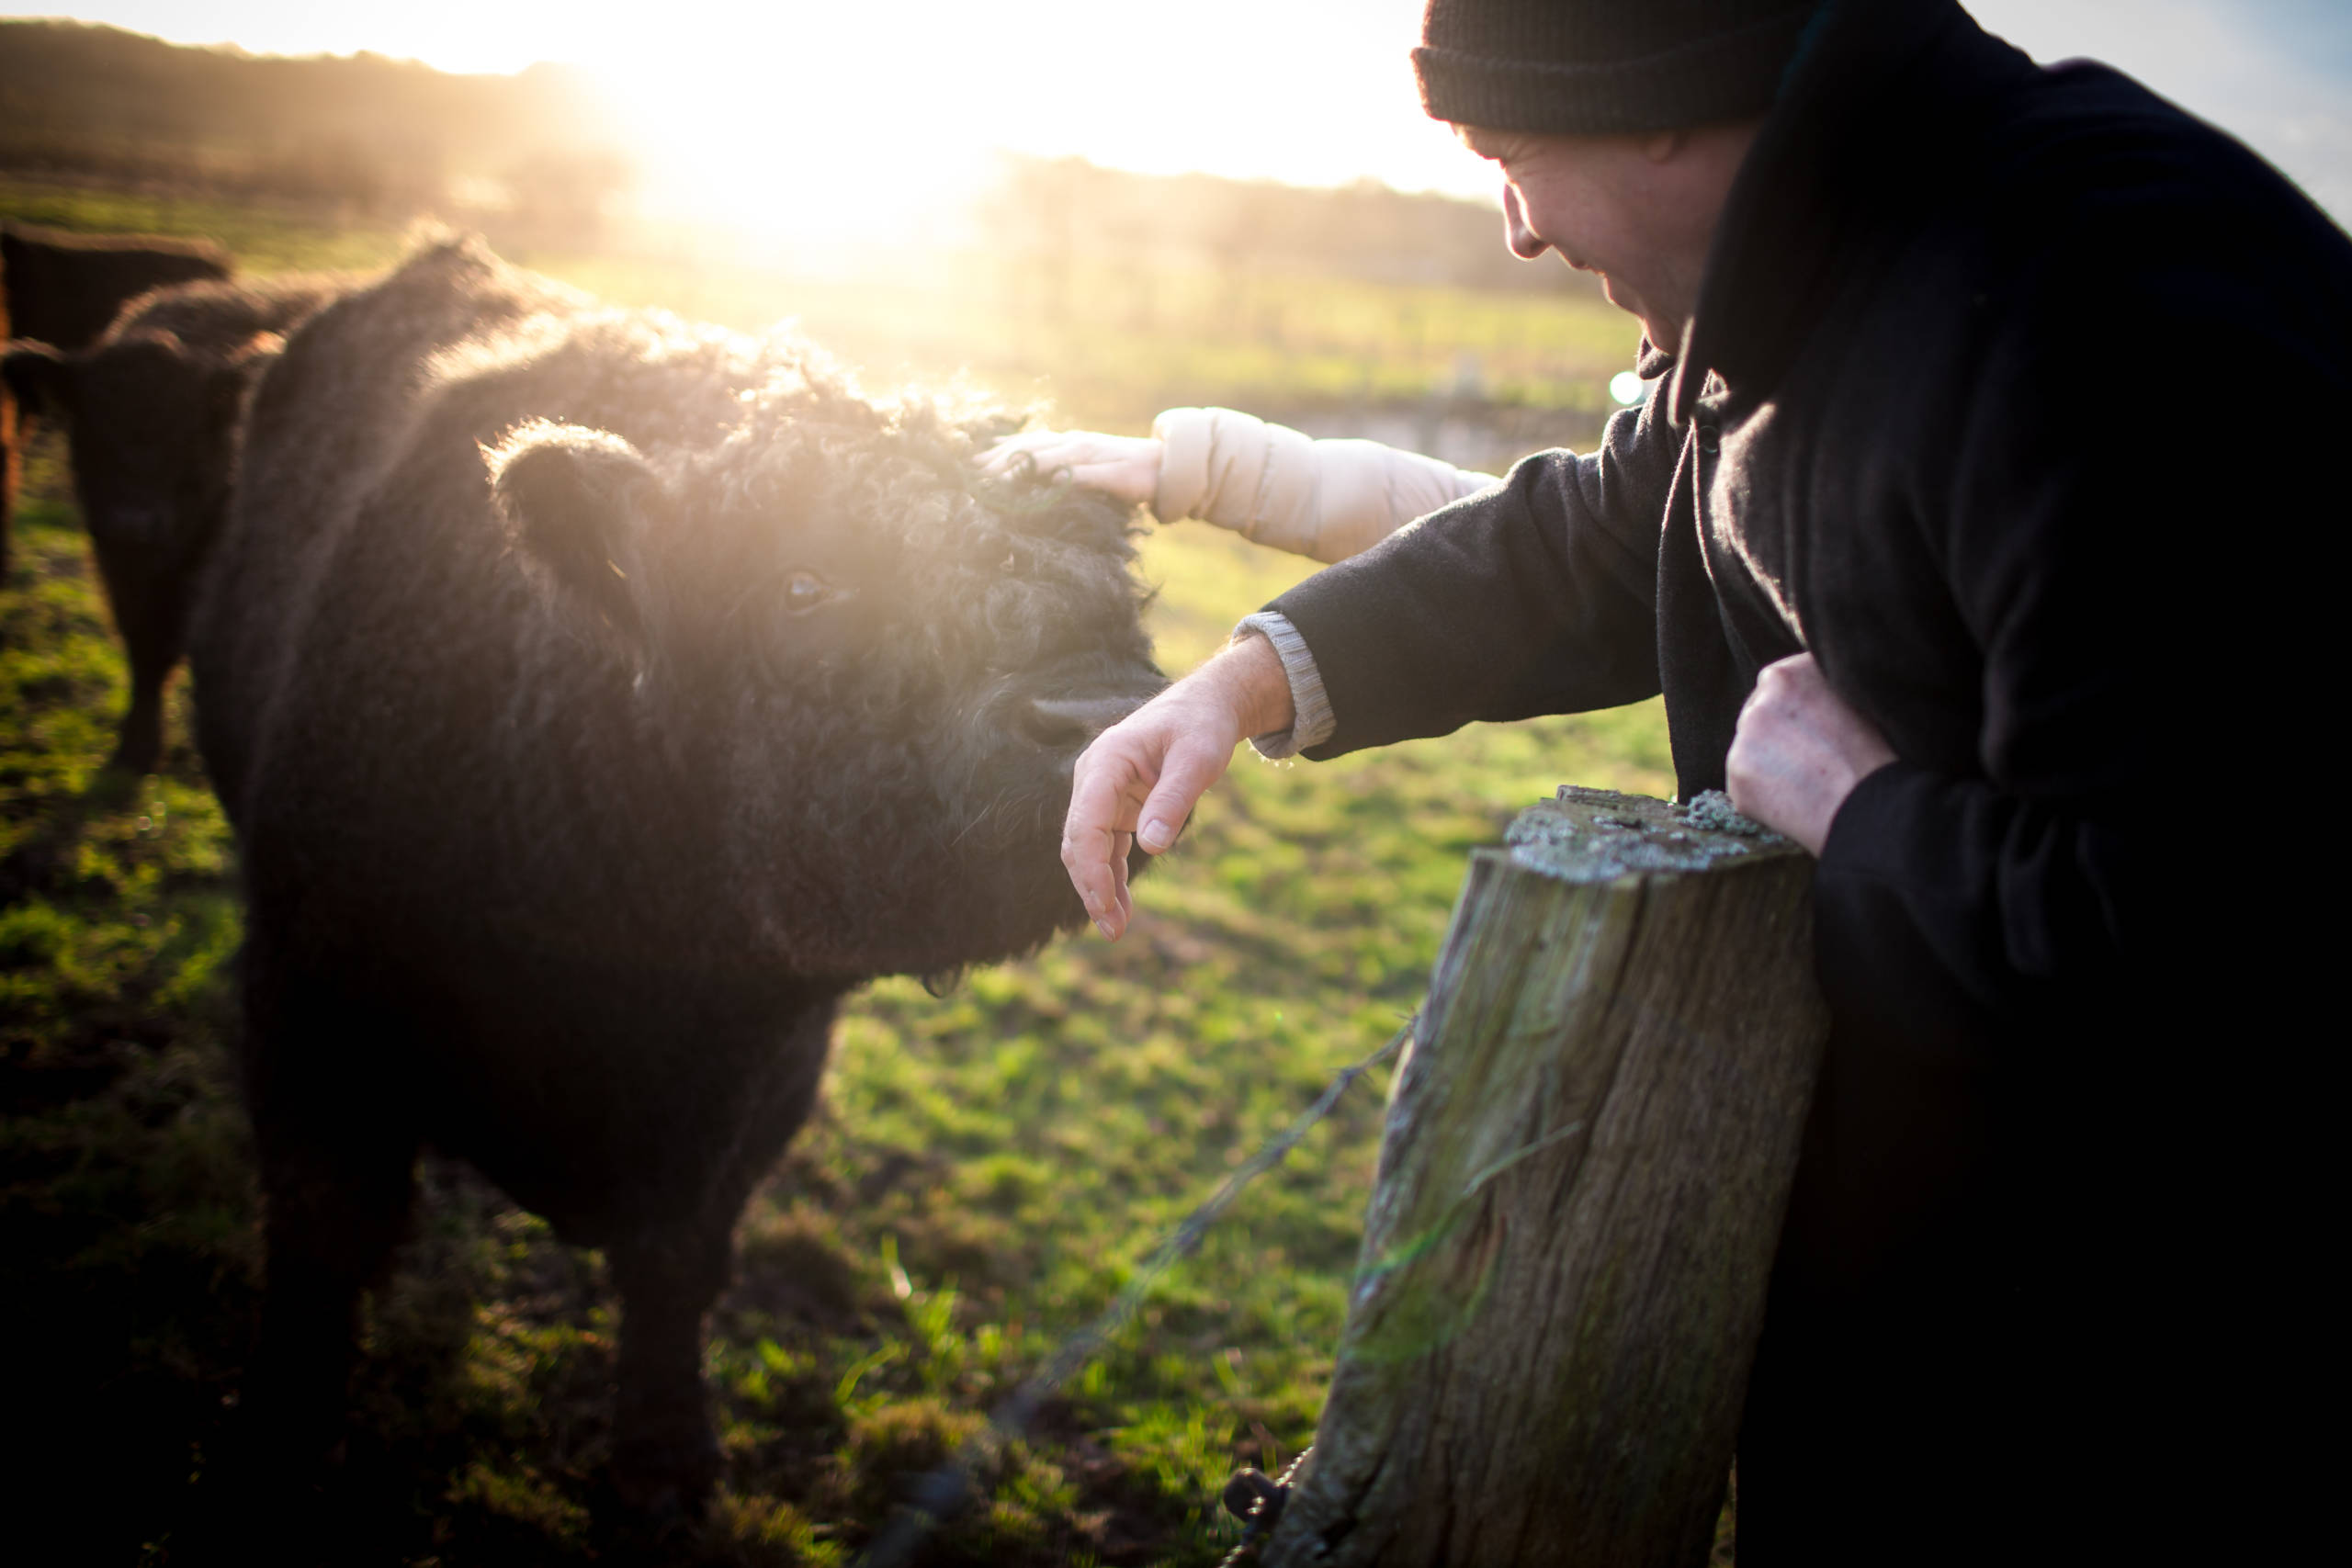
x: 1868, y: 114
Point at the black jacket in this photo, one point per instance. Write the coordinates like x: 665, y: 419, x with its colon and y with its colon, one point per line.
x: 2007, y: 396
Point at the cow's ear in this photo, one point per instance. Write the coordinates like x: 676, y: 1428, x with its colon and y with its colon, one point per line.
x: 574, y: 502
x: 225, y: 387
x: 37, y: 376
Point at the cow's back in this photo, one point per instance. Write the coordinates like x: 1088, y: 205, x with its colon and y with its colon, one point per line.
x: 65, y: 289
x: 325, y: 422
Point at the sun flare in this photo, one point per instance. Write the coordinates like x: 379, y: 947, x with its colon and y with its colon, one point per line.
x: 821, y: 123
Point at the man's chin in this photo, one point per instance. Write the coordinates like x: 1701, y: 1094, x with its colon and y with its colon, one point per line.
x: 1667, y: 336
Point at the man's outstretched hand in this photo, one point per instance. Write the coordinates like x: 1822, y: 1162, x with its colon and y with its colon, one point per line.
x: 1138, y: 781
x: 1798, y: 753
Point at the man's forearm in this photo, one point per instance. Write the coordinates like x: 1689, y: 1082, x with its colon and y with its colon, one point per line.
x: 1518, y: 601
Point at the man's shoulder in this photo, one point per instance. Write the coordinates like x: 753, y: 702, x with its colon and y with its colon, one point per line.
x: 2080, y: 159
x: 2085, y: 229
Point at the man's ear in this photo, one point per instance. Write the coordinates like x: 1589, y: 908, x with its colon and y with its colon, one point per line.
x: 37, y: 376
x: 573, y: 502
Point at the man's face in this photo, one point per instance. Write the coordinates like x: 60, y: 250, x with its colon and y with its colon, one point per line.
x: 1639, y: 210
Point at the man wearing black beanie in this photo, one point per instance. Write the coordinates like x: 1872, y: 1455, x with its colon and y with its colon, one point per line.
x: 1935, y: 580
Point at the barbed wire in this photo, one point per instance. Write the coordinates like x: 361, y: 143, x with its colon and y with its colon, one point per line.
x: 943, y: 1492
x: 1257, y: 1500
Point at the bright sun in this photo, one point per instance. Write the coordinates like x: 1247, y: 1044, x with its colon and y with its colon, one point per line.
x: 817, y: 120
x: 780, y: 124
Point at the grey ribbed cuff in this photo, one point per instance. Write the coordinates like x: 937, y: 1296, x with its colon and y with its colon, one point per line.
x: 1311, y: 717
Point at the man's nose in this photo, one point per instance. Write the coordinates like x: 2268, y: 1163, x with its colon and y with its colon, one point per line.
x: 1522, y: 241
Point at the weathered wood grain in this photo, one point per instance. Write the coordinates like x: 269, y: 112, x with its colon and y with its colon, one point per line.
x: 1588, y: 1155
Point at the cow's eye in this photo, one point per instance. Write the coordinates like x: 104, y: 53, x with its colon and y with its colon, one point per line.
x: 804, y: 591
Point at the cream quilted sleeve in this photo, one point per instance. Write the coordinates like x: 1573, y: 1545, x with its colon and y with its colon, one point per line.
x: 1269, y: 483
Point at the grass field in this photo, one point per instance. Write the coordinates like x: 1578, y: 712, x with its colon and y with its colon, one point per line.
x: 1108, y: 349
x: 985, y: 1170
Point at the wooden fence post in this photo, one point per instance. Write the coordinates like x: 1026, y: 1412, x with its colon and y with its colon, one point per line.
x: 1588, y: 1155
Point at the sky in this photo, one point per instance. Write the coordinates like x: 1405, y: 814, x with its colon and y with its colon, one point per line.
x: 881, y: 115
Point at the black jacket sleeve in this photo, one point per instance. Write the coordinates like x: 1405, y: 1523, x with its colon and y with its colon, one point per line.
x: 1538, y: 596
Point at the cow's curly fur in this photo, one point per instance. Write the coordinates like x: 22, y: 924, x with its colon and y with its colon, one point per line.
x: 598, y: 697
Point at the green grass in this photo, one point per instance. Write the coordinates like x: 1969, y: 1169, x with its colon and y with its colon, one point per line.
x: 984, y: 1173
x: 1106, y: 355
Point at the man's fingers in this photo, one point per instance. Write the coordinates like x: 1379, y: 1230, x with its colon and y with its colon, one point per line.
x: 1089, y: 855
x: 1105, y: 788
x: 1099, y: 885
x: 1163, y: 817
x: 1184, y: 779
x: 1137, y: 784
x: 1121, y: 844
x: 1799, y: 751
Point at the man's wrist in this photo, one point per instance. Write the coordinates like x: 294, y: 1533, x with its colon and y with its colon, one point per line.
x: 1251, y: 671
x: 1856, y: 829
x: 1309, y: 720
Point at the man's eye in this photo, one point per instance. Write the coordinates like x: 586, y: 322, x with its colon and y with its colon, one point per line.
x: 804, y: 591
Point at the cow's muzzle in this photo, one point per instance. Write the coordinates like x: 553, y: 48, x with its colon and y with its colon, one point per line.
x: 1072, y: 722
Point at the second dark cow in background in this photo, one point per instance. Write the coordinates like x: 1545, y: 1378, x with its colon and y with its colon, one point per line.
x: 153, y: 409
x: 598, y: 699
x: 63, y: 289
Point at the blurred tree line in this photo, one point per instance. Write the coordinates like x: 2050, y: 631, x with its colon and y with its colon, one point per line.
x: 529, y: 158
x: 363, y: 134
x: 1049, y: 219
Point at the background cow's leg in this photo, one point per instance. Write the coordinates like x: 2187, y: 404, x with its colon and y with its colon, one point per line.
x: 138, y: 745
x: 138, y: 595
x: 665, y: 1459
x: 15, y: 430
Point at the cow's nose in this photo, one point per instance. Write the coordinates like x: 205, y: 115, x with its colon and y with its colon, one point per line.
x: 1074, y: 721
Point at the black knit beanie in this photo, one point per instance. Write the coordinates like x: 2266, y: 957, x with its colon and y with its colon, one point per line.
x: 1604, y: 65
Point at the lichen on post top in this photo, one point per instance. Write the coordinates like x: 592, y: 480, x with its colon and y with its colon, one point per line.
x: 1598, y: 835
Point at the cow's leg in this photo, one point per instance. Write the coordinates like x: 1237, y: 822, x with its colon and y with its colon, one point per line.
x: 671, y: 1270
x: 337, y: 1196
x: 335, y: 1209
x: 665, y: 1459
x: 145, y: 594
x: 338, y: 1149
x: 139, y: 744
x: 338, y: 1201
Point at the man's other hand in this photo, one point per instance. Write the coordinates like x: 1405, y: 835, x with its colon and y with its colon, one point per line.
x: 1140, y: 779
x: 1798, y: 753
x: 1125, y: 467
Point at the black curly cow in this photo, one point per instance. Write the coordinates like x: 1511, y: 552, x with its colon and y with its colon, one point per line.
x: 598, y: 699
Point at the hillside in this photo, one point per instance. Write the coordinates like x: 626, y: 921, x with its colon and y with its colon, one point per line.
x: 538, y: 152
